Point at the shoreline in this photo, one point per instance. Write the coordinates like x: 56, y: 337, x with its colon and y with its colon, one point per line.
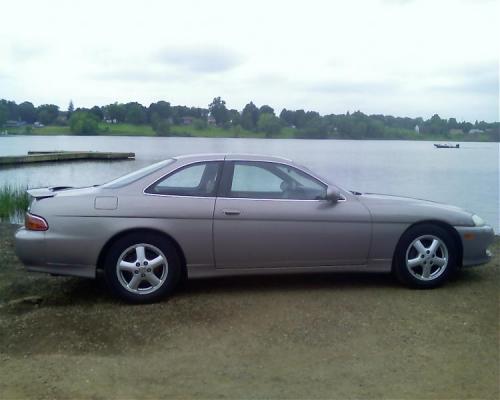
x: 432, y: 140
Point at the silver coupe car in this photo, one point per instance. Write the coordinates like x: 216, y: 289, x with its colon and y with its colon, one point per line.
x: 225, y: 214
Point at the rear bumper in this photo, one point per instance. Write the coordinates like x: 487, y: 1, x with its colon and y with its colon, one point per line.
x: 31, y: 249
x: 475, y: 242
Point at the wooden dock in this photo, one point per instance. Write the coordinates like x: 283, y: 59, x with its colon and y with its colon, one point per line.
x: 56, y: 156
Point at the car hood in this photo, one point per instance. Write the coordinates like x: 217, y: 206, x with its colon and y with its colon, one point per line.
x: 390, y: 208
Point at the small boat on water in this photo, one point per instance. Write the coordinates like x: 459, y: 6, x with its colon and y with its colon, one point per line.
x: 446, y: 146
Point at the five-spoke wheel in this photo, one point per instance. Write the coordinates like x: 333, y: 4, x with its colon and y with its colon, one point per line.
x: 142, y: 267
x: 426, y: 256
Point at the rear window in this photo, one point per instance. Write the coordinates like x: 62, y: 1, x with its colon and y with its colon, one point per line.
x: 136, y: 175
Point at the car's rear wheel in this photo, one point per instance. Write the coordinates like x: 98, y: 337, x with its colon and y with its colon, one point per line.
x: 426, y: 256
x: 142, y: 267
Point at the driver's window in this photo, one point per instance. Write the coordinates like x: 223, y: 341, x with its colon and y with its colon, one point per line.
x: 309, y: 187
x: 265, y: 180
x: 253, y: 181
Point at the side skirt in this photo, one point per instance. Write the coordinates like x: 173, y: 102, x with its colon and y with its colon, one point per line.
x: 208, y: 271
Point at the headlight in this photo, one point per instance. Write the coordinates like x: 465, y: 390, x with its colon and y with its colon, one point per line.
x: 478, y: 221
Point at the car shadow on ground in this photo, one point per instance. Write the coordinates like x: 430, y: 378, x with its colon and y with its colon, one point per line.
x: 289, y: 282
x: 77, y: 291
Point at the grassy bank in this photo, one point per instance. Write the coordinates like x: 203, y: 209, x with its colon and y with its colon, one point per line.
x: 13, y: 202
x: 147, y: 130
x: 123, y: 129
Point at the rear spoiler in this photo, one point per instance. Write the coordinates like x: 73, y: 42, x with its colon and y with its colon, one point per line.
x: 42, y: 193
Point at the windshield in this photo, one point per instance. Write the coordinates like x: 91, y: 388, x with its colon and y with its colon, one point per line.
x: 136, y: 175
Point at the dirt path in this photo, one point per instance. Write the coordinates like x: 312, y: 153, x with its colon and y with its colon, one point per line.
x: 318, y: 336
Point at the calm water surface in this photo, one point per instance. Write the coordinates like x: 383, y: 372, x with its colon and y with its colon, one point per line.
x: 467, y: 177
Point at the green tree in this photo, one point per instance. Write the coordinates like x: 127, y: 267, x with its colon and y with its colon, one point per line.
x: 314, y: 129
x: 218, y: 110
x: 3, y: 114
x: 83, y: 123
x: 97, y: 111
x: 288, y: 117
x: 27, y: 112
x: 452, y: 123
x: 265, y: 109
x: 71, y: 109
x: 300, y: 119
x: 436, y: 125
x: 115, y: 111
x: 11, y: 109
x: 161, y: 109
x: 135, y: 113
x: 269, y: 124
x: 250, y: 116
x: 47, y: 113
x: 234, y: 117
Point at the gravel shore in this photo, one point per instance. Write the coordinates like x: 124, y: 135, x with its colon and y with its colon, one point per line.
x: 309, y: 336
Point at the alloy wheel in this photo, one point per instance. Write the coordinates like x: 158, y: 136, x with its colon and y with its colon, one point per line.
x: 427, y: 257
x: 142, y: 268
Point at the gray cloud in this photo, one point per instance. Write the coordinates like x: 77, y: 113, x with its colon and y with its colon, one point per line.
x: 400, y: 2
x: 131, y: 75
x: 200, y: 59
x: 351, y: 87
x: 478, y: 78
x: 25, y: 52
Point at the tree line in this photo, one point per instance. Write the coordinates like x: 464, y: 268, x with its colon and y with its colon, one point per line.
x: 162, y: 115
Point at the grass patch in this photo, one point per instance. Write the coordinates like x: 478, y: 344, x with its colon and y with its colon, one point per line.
x: 146, y: 130
x: 14, y: 201
x: 125, y: 130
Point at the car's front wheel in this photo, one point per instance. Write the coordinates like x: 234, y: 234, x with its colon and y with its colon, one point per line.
x: 142, y: 267
x: 426, y: 256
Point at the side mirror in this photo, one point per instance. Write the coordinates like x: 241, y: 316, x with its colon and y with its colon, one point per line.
x: 333, y: 194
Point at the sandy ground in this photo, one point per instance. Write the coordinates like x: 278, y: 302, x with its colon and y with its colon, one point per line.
x: 315, y: 336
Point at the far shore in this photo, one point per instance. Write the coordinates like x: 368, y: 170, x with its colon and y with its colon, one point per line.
x: 123, y: 129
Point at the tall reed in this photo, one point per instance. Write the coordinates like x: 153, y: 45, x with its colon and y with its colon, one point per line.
x: 14, y: 201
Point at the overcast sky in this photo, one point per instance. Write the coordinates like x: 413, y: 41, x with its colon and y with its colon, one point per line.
x: 401, y: 57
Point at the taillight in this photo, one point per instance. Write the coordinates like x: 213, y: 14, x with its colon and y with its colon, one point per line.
x: 35, y: 223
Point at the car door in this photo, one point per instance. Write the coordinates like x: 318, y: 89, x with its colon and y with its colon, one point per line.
x: 274, y: 215
x: 181, y: 204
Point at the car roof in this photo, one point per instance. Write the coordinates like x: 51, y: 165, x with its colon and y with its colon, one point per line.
x: 230, y: 157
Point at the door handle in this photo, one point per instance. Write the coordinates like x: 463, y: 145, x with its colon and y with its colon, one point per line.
x: 230, y: 211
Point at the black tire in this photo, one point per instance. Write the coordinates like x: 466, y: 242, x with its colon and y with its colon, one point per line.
x: 402, y: 271
x: 171, y: 278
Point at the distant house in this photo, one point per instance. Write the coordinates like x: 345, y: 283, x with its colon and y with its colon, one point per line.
x: 211, y: 120
x: 14, y: 124
x: 417, y: 129
x: 187, y: 120
x: 474, y: 131
x: 38, y: 125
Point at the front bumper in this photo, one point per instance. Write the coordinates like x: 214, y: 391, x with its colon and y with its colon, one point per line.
x: 475, y: 242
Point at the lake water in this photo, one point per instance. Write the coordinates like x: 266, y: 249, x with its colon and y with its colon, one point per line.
x: 467, y: 177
